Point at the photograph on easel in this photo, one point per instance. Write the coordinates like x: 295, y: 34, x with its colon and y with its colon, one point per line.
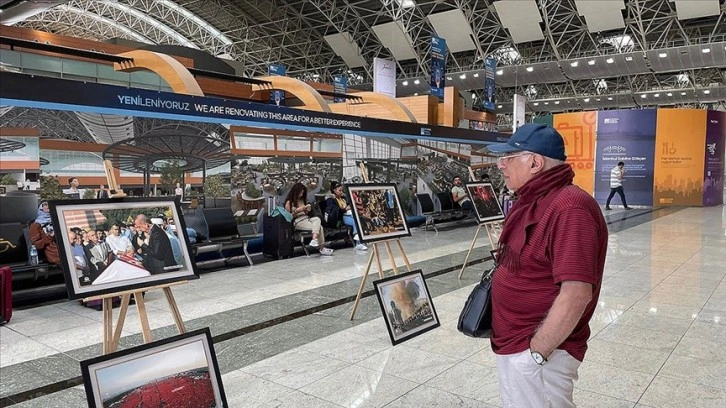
x: 486, y: 203
x: 179, y: 371
x: 110, y: 246
x: 377, y: 212
x: 406, y: 305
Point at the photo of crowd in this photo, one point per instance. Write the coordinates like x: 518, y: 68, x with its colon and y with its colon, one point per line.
x: 378, y: 213
x: 486, y: 202
x: 111, y: 247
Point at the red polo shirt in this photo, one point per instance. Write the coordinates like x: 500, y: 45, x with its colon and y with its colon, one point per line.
x: 568, y: 243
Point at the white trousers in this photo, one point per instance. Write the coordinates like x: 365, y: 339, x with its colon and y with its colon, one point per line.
x: 526, y: 384
x: 312, y: 224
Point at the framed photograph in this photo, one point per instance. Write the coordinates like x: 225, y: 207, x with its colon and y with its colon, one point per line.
x: 406, y: 305
x: 113, y: 245
x: 377, y: 212
x: 486, y: 203
x: 179, y: 371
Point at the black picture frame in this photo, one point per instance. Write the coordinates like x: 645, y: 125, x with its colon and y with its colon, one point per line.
x: 388, y: 223
x: 399, y: 290
x: 185, y: 365
x: 485, y: 202
x: 122, y: 273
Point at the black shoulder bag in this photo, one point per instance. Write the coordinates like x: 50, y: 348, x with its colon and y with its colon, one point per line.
x: 475, y: 319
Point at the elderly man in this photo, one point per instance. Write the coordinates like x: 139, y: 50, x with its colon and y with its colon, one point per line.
x: 551, y: 259
x: 156, y: 247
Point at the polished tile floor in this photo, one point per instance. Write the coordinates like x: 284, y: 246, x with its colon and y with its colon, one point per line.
x: 657, y: 335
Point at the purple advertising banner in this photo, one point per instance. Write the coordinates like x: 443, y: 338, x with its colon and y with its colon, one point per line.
x: 714, y: 164
x: 626, y: 136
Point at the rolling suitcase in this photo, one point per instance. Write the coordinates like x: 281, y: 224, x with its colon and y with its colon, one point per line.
x: 6, y: 294
x: 277, y: 239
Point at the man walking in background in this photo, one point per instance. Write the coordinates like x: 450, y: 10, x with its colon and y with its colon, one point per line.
x: 616, y: 185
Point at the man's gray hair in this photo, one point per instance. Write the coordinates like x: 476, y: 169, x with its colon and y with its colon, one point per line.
x: 550, y: 162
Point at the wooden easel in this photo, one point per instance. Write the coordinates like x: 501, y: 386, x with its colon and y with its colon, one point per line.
x: 375, y: 254
x: 489, y: 227
x: 112, y: 336
x: 114, y: 190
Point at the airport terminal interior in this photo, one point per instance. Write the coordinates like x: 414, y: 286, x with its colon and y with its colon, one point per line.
x: 195, y: 120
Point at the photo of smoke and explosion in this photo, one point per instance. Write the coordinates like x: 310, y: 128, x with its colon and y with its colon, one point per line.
x: 486, y: 203
x: 406, y: 305
x: 378, y: 212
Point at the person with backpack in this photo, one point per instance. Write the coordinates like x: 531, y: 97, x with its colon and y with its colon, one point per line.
x: 338, y: 210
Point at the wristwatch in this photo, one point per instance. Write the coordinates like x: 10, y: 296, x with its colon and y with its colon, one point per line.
x: 538, y: 357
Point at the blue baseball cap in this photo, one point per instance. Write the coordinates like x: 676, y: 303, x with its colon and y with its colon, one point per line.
x: 535, y: 138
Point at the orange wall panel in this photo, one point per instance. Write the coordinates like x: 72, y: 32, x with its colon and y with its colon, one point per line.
x: 680, y: 139
x: 578, y: 130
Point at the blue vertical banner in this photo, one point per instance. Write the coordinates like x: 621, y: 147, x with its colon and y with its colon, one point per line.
x: 490, y: 67
x: 438, y: 66
x: 340, y: 85
x: 277, y: 96
x: 626, y: 136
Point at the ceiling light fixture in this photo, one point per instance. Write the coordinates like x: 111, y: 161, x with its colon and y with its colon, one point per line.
x: 586, y: 100
x: 610, y: 98
x: 683, y: 94
x: 707, y: 91
x: 416, y: 81
x: 448, y: 78
x: 557, y: 102
x: 476, y: 75
x: 536, y: 104
x: 662, y: 55
x: 609, y: 60
x: 500, y: 72
x: 574, y: 64
x: 657, y: 95
x: 705, y: 50
x: 404, y: 83
x: 628, y: 58
x: 546, y: 103
x: 669, y: 94
x: 499, y: 106
x: 591, y: 62
x: 529, y: 69
x: 462, y: 76
x: 643, y: 96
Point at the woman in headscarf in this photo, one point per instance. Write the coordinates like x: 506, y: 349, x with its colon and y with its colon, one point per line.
x: 42, y: 235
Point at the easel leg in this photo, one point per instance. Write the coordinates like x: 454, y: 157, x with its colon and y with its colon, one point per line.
x: 143, y: 317
x: 471, y: 248
x: 489, y: 234
x: 403, y: 255
x: 363, y: 281
x: 393, y: 260
x: 174, y: 310
x: 107, y: 325
x: 125, y: 299
x: 377, y: 251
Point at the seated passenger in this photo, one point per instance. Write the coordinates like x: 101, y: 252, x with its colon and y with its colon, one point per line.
x: 42, y: 235
x: 296, y: 204
x: 458, y: 193
x: 337, y: 210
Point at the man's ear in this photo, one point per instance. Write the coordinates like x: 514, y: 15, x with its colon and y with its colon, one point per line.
x: 538, y: 164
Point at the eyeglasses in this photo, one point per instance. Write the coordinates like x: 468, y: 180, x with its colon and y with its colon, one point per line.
x: 507, y: 158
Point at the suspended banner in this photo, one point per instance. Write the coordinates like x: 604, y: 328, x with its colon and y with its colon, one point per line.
x: 438, y: 66
x: 384, y: 77
x: 626, y: 136
x: 277, y: 96
x: 714, y: 161
x: 488, y: 102
x: 520, y: 106
x: 340, y: 85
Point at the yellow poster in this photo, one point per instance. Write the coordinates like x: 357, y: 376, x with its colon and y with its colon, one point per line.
x: 680, y: 139
x: 578, y: 130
